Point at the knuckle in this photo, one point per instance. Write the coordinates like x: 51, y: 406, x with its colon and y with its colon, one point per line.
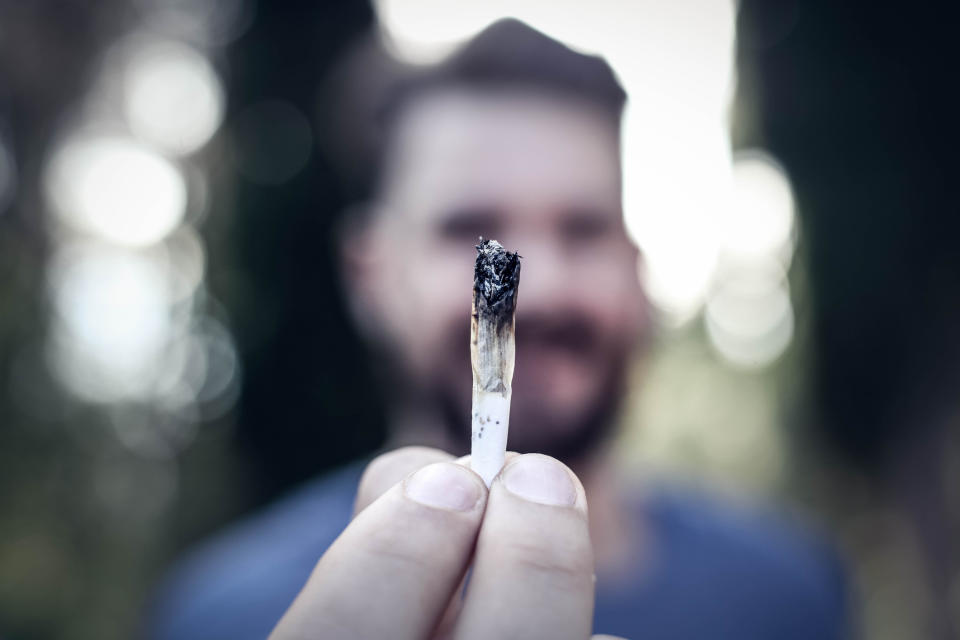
x: 418, y: 541
x: 386, y: 545
x: 567, y: 558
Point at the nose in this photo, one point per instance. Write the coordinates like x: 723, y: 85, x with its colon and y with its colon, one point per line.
x: 543, y: 277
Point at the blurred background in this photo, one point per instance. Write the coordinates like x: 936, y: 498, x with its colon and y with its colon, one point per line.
x: 786, y: 174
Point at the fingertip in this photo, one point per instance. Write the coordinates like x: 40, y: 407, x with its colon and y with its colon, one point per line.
x: 390, y: 468
x: 406, y: 551
x: 533, y: 565
x: 446, y: 485
x: 541, y: 479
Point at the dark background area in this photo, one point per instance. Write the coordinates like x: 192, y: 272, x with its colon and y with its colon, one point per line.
x: 855, y: 99
x: 308, y: 401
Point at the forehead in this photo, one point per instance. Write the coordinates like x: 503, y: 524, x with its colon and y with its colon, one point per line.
x: 502, y: 147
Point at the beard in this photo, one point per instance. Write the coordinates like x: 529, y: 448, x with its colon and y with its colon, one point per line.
x: 578, y: 439
x: 537, y: 424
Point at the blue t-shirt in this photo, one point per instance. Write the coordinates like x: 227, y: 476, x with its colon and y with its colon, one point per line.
x: 709, y: 570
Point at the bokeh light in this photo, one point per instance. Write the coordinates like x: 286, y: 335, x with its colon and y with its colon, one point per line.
x: 173, y: 97
x: 220, y: 385
x: 211, y: 22
x: 112, y: 321
x: 126, y: 330
x: 186, y: 259
x: 126, y: 279
x: 199, y: 372
x: 674, y: 197
x: 749, y: 317
x: 115, y: 188
x: 760, y: 221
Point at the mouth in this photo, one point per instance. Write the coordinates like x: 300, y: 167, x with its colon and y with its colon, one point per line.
x: 575, y: 338
x: 549, y: 369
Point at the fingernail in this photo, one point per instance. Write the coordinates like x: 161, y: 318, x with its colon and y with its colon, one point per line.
x: 444, y: 485
x: 540, y: 479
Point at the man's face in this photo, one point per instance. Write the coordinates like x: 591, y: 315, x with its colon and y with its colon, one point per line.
x: 542, y: 176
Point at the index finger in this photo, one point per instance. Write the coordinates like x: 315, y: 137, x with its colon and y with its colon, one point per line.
x: 533, y: 567
x: 392, y: 467
x: 392, y: 571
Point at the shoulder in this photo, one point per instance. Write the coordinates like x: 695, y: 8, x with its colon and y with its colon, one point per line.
x: 238, y: 584
x: 753, y: 532
x: 767, y: 569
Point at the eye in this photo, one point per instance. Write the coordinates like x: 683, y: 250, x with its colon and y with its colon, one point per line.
x: 585, y: 224
x: 469, y: 224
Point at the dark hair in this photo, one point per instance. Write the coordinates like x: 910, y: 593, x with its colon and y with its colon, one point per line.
x: 507, y: 54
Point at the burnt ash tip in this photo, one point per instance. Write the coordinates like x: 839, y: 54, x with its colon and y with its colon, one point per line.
x: 495, y: 278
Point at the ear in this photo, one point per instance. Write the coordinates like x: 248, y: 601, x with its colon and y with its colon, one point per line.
x: 360, y: 253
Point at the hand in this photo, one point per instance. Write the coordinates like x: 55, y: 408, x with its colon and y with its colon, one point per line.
x: 422, y: 519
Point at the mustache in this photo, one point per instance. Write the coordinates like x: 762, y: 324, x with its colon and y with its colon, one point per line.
x: 568, y: 332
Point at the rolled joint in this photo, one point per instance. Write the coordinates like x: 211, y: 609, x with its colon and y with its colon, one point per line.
x: 492, y: 350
